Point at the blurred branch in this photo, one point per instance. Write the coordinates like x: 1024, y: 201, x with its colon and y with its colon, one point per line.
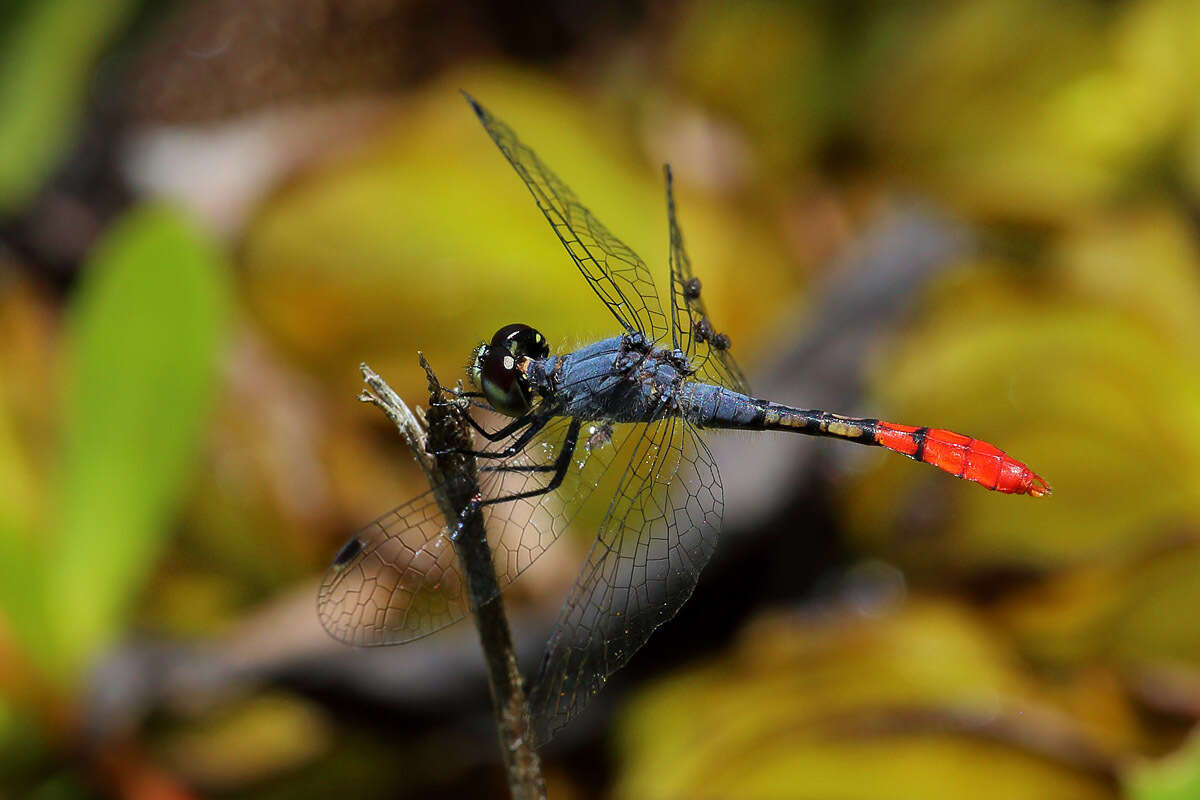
x: 452, y: 476
x: 867, y: 294
x: 1166, y: 688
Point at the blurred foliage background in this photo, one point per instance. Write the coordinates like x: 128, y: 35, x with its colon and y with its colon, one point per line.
x: 976, y: 215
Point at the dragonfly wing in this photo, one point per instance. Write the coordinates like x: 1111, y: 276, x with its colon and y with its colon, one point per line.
x: 399, y: 578
x: 658, y: 534
x: 706, y: 348
x: 615, y: 272
x: 519, y: 531
x: 396, y: 580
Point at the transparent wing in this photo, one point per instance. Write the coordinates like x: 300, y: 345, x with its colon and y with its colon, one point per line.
x: 615, y: 272
x: 396, y: 580
x: 706, y: 348
x: 399, y: 578
x: 659, y: 533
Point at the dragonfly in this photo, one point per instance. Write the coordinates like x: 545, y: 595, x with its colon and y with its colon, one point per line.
x: 642, y: 400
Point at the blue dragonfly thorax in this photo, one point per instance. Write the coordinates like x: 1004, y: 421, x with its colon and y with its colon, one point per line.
x: 620, y: 379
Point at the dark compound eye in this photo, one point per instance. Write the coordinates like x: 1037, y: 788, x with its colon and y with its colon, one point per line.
x: 501, y: 378
x: 520, y: 341
x: 349, y: 550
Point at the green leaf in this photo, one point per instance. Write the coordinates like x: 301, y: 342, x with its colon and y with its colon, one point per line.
x: 1176, y: 777
x: 45, y: 62
x: 21, y: 582
x: 20, y: 566
x: 143, y: 343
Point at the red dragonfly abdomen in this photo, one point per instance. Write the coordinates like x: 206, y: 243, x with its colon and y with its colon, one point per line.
x: 962, y: 456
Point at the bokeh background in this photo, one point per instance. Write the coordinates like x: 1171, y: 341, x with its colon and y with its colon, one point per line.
x: 976, y: 215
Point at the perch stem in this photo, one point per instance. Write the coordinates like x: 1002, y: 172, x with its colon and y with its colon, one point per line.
x: 454, y: 479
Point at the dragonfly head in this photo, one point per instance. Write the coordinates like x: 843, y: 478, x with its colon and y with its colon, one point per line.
x: 498, y: 369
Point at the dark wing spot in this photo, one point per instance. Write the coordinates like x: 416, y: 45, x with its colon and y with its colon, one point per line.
x: 703, y: 330
x: 349, y: 550
x: 721, y: 342
x: 691, y: 289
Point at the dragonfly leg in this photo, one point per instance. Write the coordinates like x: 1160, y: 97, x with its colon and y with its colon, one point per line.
x: 472, y: 398
x: 482, y: 407
x: 456, y: 392
x: 502, y: 433
x: 532, y: 424
x: 559, y: 468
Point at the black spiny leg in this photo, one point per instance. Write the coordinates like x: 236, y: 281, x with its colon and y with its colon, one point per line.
x: 506, y: 431
x: 559, y: 468
x: 503, y: 433
x: 532, y: 424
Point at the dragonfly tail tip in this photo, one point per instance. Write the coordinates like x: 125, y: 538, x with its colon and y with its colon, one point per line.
x: 1039, y: 487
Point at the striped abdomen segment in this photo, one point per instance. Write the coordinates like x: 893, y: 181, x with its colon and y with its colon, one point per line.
x: 962, y: 456
x: 717, y: 407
